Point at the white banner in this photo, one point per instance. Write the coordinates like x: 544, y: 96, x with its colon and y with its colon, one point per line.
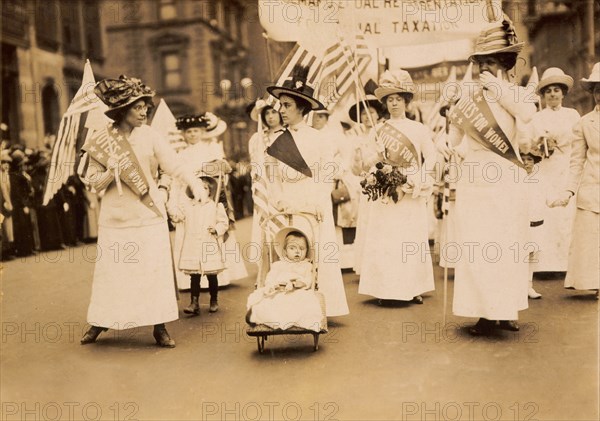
x: 383, y: 22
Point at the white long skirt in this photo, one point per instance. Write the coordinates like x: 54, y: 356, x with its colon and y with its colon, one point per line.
x: 584, y: 263
x: 492, y: 231
x: 133, y: 278
x: 396, y: 260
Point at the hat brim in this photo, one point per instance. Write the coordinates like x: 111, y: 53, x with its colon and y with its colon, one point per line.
x: 516, y: 48
x: 381, y: 93
x: 588, y: 84
x: 113, y: 112
x: 219, y: 129
x: 279, y: 241
x: 207, y: 178
x: 360, y: 106
x: 277, y: 91
x: 254, y: 113
x: 555, y: 80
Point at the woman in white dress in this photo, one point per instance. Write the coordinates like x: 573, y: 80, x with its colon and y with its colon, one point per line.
x: 492, y: 218
x: 553, y: 126
x: 133, y: 276
x: 203, y: 153
x: 307, y: 185
x: 396, y: 261
x: 584, y: 181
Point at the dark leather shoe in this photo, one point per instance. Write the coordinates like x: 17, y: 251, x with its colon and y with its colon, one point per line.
x: 162, y: 337
x: 214, y: 305
x: 417, y: 300
x: 509, y: 325
x: 193, y: 308
x: 92, y: 334
x: 483, y: 327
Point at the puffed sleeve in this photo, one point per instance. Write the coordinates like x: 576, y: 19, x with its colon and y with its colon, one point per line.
x: 93, y: 175
x: 169, y: 161
x: 518, y: 101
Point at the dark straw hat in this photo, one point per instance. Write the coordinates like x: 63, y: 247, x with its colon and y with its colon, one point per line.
x: 122, y: 92
x: 297, y: 86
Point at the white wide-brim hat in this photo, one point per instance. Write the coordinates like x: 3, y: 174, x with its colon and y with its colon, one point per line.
x: 588, y: 84
x: 396, y: 82
x: 554, y: 76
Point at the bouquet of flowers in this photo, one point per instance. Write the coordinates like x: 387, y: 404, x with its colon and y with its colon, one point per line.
x: 544, y: 146
x: 383, y: 181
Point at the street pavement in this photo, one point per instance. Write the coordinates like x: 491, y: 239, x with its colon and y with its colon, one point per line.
x: 397, y: 362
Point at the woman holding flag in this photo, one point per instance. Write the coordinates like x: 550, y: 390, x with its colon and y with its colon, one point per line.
x: 400, y: 162
x: 491, y: 278
x: 133, y: 276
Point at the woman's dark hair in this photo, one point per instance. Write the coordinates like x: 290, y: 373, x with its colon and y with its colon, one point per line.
x: 119, y: 115
x: 562, y: 87
x: 407, y: 97
x: 263, y: 114
x: 302, y: 104
x: 506, y: 60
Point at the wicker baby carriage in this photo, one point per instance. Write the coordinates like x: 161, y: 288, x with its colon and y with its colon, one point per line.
x: 307, y: 224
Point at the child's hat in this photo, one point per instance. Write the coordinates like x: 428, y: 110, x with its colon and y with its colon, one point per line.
x: 302, y: 228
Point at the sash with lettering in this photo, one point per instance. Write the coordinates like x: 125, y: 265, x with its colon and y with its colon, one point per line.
x: 106, y: 144
x: 473, y: 115
x: 399, y: 149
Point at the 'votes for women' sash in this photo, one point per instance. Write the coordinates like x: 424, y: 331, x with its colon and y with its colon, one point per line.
x: 399, y: 149
x: 109, y: 144
x: 473, y: 115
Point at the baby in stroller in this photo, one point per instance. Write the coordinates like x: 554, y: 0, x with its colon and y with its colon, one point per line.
x: 287, y: 298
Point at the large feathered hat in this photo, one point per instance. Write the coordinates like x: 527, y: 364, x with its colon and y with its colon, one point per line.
x: 297, y: 86
x: 498, y: 38
x: 121, y: 92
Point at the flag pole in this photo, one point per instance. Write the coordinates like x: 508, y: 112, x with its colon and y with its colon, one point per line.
x: 491, y: 13
x: 445, y: 214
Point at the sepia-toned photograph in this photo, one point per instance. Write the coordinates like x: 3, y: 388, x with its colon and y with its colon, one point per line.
x: 264, y: 210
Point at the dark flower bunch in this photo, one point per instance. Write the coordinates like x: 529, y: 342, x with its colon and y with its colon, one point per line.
x: 382, y: 181
x: 509, y: 30
x: 544, y: 147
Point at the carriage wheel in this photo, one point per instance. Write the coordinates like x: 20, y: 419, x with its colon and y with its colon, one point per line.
x: 260, y: 341
x: 316, y: 338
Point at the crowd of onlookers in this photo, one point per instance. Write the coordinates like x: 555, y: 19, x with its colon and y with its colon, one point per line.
x: 28, y: 227
x: 70, y: 217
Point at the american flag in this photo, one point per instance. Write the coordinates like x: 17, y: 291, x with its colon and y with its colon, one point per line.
x: 347, y: 70
x: 77, y: 125
x: 297, y: 56
x: 333, y: 72
x: 260, y: 194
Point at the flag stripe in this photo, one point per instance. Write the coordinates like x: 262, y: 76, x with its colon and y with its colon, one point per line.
x: 71, y: 135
